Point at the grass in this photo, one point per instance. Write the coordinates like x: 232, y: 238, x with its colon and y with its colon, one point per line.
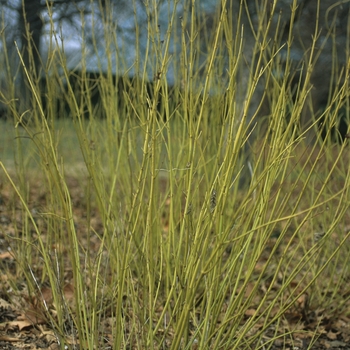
x: 132, y: 231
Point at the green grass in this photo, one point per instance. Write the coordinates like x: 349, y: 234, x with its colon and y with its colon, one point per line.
x: 139, y: 229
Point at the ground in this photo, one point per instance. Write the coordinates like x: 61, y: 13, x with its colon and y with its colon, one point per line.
x: 23, y: 321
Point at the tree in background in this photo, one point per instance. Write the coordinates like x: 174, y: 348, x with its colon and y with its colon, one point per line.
x: 293, y: 27
x: 331, y: 35
x: 24, y: 21
x: 30, y: 25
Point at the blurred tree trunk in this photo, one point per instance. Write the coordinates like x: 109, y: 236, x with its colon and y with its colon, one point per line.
x: 30, y: 25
